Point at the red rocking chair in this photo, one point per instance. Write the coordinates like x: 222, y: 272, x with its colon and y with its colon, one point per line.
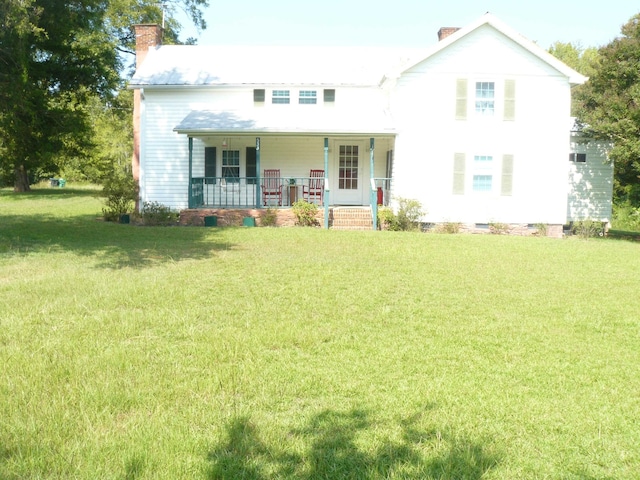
x: 314, y: 191
x: 271, y: 187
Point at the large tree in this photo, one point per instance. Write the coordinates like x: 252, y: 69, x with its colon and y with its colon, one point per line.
x: 609, y: 108
x: 54, y: 56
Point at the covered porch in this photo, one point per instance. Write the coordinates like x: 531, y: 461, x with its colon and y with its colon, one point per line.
x: 236, y: 163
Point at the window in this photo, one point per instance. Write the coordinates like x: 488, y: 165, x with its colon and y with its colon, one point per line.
x: 348, y: 171
x: 231, y: 165
x: 258, y: 95
x: 482, y: 173
x: 482, y: 183
x: 578, y: 157
x: 485, y: 98
x: 329, y: 95
x: 280, y: 96
x: 307, y: 97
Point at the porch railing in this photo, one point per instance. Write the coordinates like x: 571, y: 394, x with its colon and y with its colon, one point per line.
x: 248, y: 192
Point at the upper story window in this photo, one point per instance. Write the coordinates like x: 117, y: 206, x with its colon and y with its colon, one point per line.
x: 485, y: 98
x: 280, y: 96
x: 307, y: 97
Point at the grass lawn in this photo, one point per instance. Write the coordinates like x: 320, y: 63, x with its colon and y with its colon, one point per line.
x: 189, y: 352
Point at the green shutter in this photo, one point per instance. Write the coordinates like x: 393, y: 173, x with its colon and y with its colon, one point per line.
x: 510, y: 100
x: 461, y: 99
x: 250, y: 165
x: 458, y: 173
x: 210, y: 164
x: 507, y: 175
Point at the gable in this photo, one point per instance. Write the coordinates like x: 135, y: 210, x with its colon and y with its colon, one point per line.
x: 486, y: 46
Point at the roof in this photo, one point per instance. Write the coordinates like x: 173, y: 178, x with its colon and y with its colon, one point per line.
x: 194, y: 65
x: 574, y: 77
x: 261, y: 121
x: 170, y: 65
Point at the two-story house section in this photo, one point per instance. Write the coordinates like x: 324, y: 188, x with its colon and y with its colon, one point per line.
x: 475, y: 127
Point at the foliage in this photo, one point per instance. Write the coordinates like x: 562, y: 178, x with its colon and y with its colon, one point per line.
x: 626, y: 217
x: 408, y: 216
x: 588, y: 229
x: 541, y: 229
x: 449, y: 227
x: 155, y: 214
x: 138, y: 352
x: 305, y: 213
x: 121, y: 193
x: 386, y: 218
x: 609, y: 108
x: 269, y: 218
x: 55, y: 57
x: 498, y: 228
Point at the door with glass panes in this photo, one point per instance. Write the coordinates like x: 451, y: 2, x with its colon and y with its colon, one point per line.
x: 348, y: 179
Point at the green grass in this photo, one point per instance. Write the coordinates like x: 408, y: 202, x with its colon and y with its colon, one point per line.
x: 188, y: 352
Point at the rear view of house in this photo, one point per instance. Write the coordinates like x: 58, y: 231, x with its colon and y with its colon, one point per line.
x: 475, y: 128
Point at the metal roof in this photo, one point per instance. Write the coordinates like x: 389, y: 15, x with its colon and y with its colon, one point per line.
x: 169, y: 65
x: 313, y: 121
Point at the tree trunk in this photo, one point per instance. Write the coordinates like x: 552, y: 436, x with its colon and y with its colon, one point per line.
x: 22, y: 180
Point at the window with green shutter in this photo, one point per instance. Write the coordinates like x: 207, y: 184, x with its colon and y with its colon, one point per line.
x: 458, y: 173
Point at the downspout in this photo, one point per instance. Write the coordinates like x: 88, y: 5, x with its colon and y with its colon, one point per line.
x: 190, y: 186
x: 326, y: 183
x: 258, y: 202
x: 373, y: 196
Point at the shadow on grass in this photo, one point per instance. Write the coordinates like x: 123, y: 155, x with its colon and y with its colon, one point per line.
x: 331, y: 450
x: 108, y: 245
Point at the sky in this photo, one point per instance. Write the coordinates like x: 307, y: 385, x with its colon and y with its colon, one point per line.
x: 404, y: 23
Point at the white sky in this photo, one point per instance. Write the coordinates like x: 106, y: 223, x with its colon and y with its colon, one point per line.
x: 410, y: 23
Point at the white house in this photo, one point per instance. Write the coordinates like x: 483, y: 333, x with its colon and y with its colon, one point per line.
x: 475, y: 128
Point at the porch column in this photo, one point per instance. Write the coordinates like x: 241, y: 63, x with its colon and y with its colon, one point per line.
x: 326, y: 183
x: 258, y: 202
x: 373, y: 196
x: 190, y: 172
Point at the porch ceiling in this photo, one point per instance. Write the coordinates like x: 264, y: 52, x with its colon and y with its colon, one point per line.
x: 285, y: 121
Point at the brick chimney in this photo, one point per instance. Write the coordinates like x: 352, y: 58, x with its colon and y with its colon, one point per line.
x: 148, y: 36
x: 444, y: 32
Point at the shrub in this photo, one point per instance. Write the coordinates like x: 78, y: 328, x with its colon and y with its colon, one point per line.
x: 498, y: 228
x: 409, y: 214
x: 269, y: 218
x: 305, y: 213
x: 386, y: 218
x: 626, y: 217
x: 587, y: 228
x: 121, y: 193
x: 154, y: 213
x: 449, y: 227
x: 541, y: 229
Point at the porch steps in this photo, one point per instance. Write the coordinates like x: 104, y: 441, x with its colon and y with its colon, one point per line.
x: 351, y: 218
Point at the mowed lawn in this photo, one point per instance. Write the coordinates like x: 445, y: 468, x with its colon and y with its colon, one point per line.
x: 202, y: 353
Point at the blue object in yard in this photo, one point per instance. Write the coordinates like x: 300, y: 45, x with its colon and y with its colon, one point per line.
x: 61, y: 182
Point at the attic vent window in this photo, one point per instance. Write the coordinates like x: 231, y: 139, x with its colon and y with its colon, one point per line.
x: 307, y: 97
x: 280, y: 96
x: 578, y: 157
x: 258, y: 95
x: 329, y: 95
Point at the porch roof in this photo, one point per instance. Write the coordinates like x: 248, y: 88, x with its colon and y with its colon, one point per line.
x: 272, y: 121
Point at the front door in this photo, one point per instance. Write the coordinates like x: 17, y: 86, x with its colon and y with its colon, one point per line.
x: 348, y: 174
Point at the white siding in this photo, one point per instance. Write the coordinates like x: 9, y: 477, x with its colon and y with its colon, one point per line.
x: 590, y: 183
x: 425, y: 105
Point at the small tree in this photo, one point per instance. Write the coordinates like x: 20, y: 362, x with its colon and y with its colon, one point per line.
x: 121, y: 193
